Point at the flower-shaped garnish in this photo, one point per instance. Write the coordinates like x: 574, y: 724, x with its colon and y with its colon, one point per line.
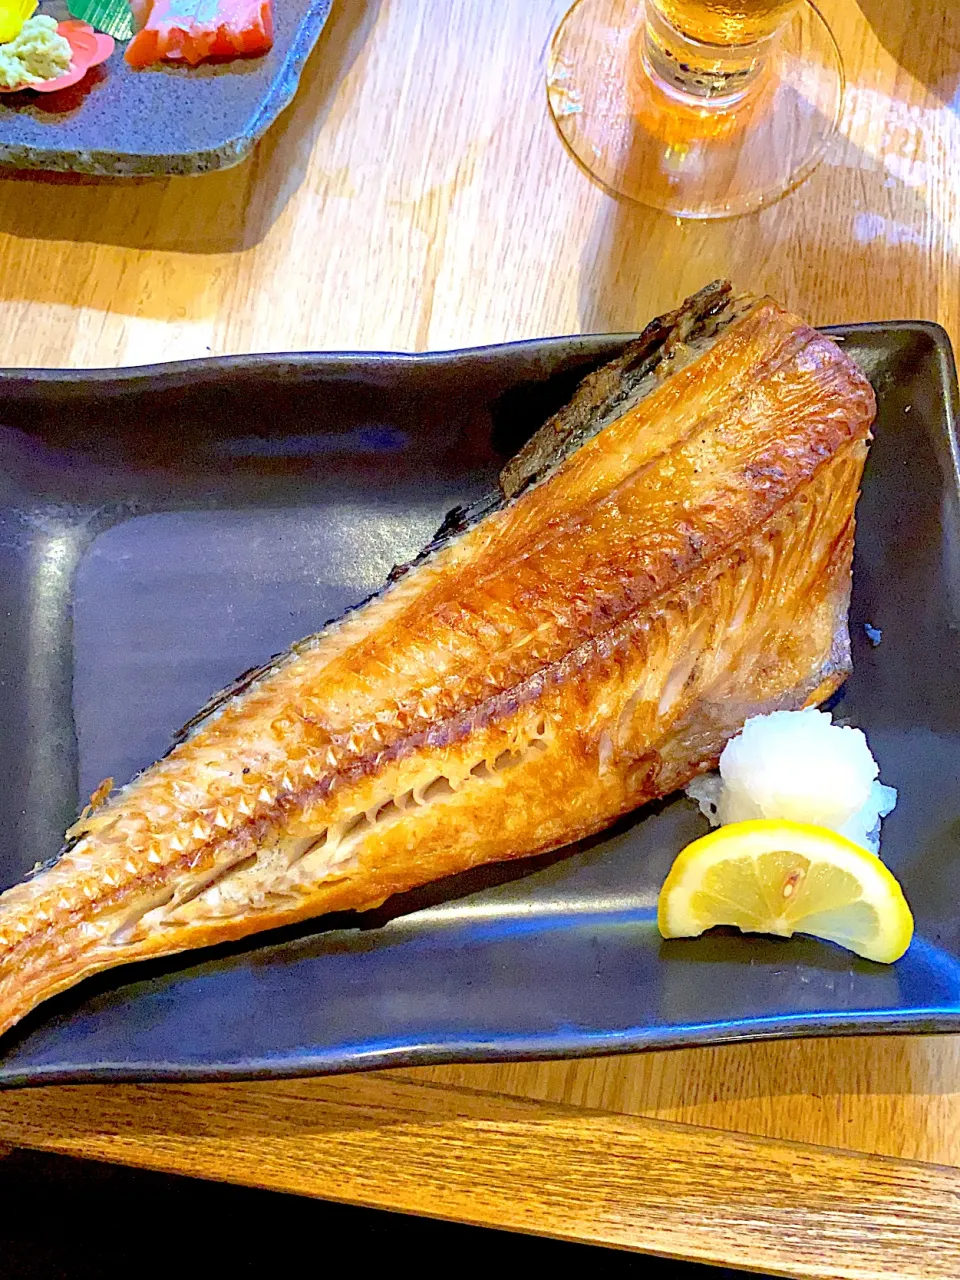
x: 88, y: 48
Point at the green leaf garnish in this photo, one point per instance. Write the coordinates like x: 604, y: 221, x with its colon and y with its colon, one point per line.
x: 113, y: 17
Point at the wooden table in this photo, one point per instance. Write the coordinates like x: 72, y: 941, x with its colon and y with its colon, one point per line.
x: 416, y: 196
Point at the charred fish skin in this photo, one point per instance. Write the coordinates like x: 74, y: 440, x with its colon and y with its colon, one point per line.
x: 667, y: 556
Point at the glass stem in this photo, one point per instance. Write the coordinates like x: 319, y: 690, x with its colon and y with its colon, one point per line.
x: 710, y: 74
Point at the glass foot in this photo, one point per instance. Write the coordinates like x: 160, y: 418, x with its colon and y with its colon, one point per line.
x: 642, y: 140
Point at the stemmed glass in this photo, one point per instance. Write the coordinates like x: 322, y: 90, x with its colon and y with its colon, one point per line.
x: 702, y: 108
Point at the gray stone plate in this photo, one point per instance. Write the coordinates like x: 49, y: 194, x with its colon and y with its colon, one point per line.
x: 162, y: 529
x: 119, y: 122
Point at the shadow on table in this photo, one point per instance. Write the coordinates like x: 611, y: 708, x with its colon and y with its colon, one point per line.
x: 65, y: 1217
x: 873, y: 1093
x: 852, y: 236
x: 222, y: 212
x: 929, y: 49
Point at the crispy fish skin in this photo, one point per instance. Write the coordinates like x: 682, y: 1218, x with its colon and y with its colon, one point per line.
x: 666, y: 557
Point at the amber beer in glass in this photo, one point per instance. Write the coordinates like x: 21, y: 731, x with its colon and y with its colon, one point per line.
x: 711, y: 48
x: 726, y: 22
x: 702, y: 108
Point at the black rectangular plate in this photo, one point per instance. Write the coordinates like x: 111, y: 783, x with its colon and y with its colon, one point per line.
x: 163, y: 529
x: 119, y: 122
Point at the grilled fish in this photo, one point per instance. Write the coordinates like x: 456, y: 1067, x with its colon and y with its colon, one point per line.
x: 668, y: 555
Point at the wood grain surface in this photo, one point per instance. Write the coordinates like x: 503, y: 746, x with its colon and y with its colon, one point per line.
x: 415, y: 195
x: 576, y: 1174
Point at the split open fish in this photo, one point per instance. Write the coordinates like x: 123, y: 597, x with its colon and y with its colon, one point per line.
x: 667, y: 556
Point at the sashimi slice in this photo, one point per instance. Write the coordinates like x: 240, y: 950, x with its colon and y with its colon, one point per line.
x: 191, y: 30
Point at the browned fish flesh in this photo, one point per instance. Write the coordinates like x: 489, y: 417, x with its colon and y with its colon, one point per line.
x: 668, y: 555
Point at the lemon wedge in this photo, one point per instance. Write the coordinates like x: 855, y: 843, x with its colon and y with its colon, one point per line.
x: 784, y: 878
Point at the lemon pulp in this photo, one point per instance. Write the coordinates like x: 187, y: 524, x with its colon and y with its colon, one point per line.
x: 783, y: 878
